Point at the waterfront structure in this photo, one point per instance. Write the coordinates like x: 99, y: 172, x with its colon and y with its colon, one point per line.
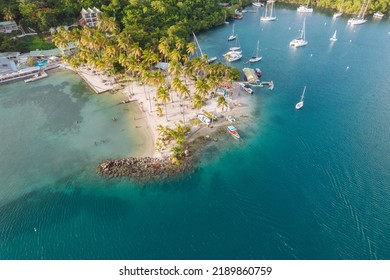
x: 89, y: 16
x: 8, y: 26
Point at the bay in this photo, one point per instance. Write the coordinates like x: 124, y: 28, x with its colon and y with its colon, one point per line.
x: 307, y: 184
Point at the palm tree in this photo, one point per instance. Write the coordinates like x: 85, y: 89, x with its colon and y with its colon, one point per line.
x: 190, y: 48
x: 164, y: 47
x: 197, y: 101
x: 201, y: 87
x: 175, y: 68
x: 8, y: 14
x: 175, y: 55
x: 135, y: 50
x: 107, y: 24
x: 163, y: 96
x: 123, y: 41
x: 222, y: 102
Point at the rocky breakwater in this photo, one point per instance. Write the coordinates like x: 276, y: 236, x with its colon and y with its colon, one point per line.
x: 144, y: 168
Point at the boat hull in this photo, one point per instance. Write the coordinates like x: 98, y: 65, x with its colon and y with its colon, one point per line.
x: 267, y: 18
x: 299, y: 105
x: 298, y: 43
x: 233, y: 132
x: 204, y: 119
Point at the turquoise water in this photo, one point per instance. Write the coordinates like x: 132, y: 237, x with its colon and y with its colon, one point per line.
x: 308, y: 184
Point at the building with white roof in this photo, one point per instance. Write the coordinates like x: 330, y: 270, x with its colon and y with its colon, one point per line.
x: 8, y: 26
x: 89, y: 16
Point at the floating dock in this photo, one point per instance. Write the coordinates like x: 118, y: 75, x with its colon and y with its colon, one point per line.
x: 250, y: 75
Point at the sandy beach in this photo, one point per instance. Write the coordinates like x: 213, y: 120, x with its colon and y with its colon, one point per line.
x: 145, y: 119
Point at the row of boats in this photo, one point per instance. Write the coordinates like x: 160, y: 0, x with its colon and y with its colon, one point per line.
x: 358, y: 19
x: 207, y: 118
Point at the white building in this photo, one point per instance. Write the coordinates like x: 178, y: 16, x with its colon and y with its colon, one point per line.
x: 8, y: 26
x: 89, y: 16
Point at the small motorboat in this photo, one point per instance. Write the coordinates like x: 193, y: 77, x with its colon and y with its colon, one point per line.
x: 233, y: 131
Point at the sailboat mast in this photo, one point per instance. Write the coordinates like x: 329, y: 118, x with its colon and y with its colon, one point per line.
x: 365, y: 9
x: 197, y: 43
x: 257, y: 50
x: 303, y: 94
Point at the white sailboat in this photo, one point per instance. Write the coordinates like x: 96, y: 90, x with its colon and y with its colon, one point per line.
x: 257, y: 4
x: 270, y: 16
x: 257, y: 57
x: 209, y: 60
x: 359, y: 19
x: 237, y: 47
x: 301, y: 40
x: 305, y: 8
x: 299, y: 105
x: 340, y: 12
x: 334, y: 38
x: 232, y: 36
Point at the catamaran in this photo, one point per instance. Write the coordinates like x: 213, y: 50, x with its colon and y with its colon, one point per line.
x: 232, y: 36
x: 334, y: 38
x: 305, y: 8
x: 232, y: 56
x: 257, y: 57
x: 233, y: 132
x: 209, y: 60
x: 301, y: 40
x: 359, y: 19
x: 299, y: 105
x: 270, y: 16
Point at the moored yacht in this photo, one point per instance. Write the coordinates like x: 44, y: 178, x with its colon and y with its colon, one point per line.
x: 301, y: 40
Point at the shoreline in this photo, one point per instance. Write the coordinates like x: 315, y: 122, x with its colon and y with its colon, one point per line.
x: 147, y: 163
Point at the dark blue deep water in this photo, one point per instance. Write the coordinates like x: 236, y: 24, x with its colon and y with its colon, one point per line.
x: 307, y: 184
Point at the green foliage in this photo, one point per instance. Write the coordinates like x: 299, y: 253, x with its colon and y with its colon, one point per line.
x: 24, y: 44
x: 347, y: 6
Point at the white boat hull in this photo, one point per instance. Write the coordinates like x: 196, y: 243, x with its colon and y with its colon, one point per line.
x: 297, y: 43
x: 357, y: 21
x: 299, y: 105
x: 304, y: 9
x: 204, y: 119
x: 336, y: 15
x: 267, y: 18
x: 255, y: 59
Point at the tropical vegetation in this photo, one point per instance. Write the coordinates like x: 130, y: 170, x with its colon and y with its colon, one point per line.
x: 348, y: 6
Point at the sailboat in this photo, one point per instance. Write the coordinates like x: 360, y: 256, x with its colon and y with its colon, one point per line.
x: 301, y: 40
x: 269, y: 17
x: 359, y: 19
x: 232, y: 36
x: 209, y: 60
x: 257, y: 4
x: 305, y: 8
x: 340, y: 12
x: 237, y: 47
x: 334, y: 38
x: 226, y: 22
x: 299, y: 105
x: 257, y: 57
